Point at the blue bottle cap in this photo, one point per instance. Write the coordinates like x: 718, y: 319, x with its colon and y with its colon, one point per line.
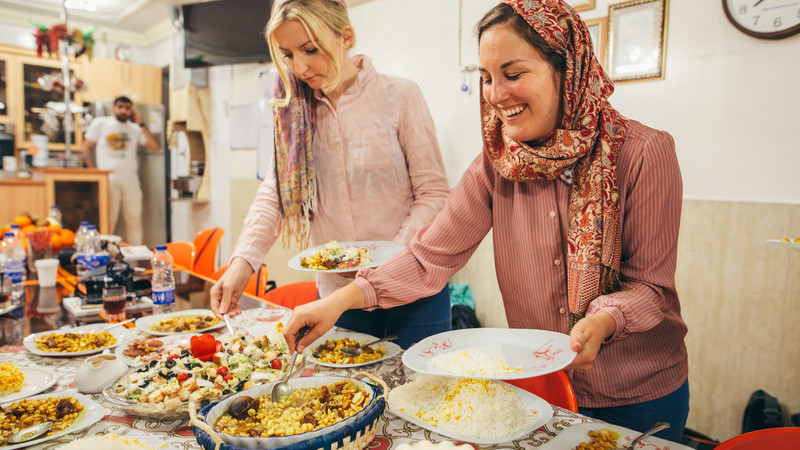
x: 161, y: 247
x: 92, y: 227
x: 14, y: 226
x: 84, y: 223
x: 9, y: 234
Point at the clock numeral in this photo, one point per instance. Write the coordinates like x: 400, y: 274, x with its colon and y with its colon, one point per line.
x: 743, y: 9
x: 755, y: 20
x: 777, y: 22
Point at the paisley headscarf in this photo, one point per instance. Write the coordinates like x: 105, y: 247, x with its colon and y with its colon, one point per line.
x: 294, y: 161
x: 585, y: 144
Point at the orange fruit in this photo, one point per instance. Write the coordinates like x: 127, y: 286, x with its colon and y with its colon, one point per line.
x: 56, y: 228
x: 67, y: 237
x: 22, y: 221
x: 55, y: 242
x: 7, y: 227
x: 29, y: 228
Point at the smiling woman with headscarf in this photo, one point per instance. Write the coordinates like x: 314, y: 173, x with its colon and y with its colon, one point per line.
x: 584, y: 205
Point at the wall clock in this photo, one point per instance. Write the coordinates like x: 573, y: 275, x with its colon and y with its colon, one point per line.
x: 764, y: 19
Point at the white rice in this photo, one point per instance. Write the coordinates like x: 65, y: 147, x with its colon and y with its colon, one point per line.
x: 470, y: 361
x: 109, y: 442
x: 475, y: 408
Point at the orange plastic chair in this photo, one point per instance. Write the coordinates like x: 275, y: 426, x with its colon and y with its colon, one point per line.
x: 183, y: 253
x: 292, y: 294
x: 554, y: 388
x: 206, y: 243
x: 257, y: 286
x: 771, y: 438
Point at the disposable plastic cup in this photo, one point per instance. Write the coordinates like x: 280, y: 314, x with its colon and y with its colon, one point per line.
x: 114, y: 299
x: 47, y: 269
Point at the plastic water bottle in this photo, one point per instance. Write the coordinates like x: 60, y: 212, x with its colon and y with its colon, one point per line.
x: 55, y: 214
x: 13, y: 266
x: 80, y: 242
x: 163, y: 281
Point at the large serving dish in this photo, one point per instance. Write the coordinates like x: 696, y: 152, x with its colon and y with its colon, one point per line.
x: 543, y: 413
x: 145, y: 324
x: 91, y: 414
x: 121, y: 334
x: 532, y: 352
x: 573, y: 435
x: 379, y: 253
x: 247, y: 360
x: 37, y: 379
x: 216, y: 410
x: 391, y: 348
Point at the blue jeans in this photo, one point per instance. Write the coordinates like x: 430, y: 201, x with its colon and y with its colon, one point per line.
x: 411, y: 323
x: 672, y: 408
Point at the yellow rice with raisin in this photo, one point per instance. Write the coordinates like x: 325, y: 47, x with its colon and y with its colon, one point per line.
x: 11, y: 378
x: 330, y: 352
x: 74, y: 342
x: 62, y: 411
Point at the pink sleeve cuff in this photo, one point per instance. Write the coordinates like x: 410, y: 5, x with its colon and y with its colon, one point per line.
x: 619, y: 319
x: 370, y: 297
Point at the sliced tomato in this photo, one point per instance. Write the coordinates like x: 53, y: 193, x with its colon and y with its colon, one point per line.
x: 276, y: 364
x: 204, y: 346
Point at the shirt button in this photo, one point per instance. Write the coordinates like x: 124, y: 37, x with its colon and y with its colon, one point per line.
x: 562, y: 311
x: 552, y: 213
x: 557, y: 262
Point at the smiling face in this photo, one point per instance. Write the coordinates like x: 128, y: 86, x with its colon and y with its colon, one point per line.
x: 302, y: 55
x: 519, y: 84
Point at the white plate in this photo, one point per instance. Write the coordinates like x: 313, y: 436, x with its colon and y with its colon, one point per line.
x: 146, y: 440
x: 379, y: 253
x: 786, y: 244
x: 536, y: 352
x: 92, y: 413
x: 575, y: 434
x: 169, y: 342
x: 543, y: 414
x: 144, y: 323
x: 121, y: 333
x: 391, y: 348
x: 37, y: 379
x: 9, y: 308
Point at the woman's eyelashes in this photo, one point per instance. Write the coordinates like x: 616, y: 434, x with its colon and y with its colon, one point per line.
x: 310, y: 51
x: 509, y: 77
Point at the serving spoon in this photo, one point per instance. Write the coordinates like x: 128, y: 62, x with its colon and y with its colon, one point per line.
x: 32, y: 432
x: 356, y: 351
x: 658, y: 426
x: 281, y: 389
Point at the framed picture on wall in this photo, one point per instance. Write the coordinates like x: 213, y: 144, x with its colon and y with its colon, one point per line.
x: 637, y: 34
x: 599, y: 31
x: 580, y: 5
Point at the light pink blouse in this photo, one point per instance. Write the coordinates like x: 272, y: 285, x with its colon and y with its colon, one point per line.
x: 379, y: 171
x: 646, y: 357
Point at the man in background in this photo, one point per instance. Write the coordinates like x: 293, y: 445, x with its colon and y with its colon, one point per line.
x: 116, y: 139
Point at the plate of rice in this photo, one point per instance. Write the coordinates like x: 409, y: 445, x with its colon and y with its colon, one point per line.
x: 491, y: 353
x: 469, y: 409
x: 77, y: 341
x: 325, y: 350
x: 117, y: 442
x: 334, y: 254
x: 20, y: 382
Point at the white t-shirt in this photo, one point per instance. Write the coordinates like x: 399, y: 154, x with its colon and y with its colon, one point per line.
x: 117, y: 145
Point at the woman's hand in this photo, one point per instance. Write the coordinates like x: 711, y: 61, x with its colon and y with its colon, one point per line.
x: 586, y: 337
x: 226, y: 292
x: 321, y: 315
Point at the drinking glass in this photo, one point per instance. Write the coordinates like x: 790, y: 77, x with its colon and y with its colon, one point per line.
x: 114, y: 299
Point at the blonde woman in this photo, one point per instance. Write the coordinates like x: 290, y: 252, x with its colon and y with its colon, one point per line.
x: 356, y: 158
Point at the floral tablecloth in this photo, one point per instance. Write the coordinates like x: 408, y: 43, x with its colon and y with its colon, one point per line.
x: 392, y: 431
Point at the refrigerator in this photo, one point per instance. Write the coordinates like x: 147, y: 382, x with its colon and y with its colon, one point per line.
x: 153, y: 172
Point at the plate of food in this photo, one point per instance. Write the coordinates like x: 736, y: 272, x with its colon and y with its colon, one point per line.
x: 786, y: 242
x: 469, y: 409
x: 491, y: 353
x: 612, y: 436
x: 142, y: 350
x: 69, y: 412
x: 212, y: 368
x: 339, y: 257
x: 20, y: 382
x: 77, y: 341
x: 325, y: 351
x: 194, y: 321
x: 128, y: 442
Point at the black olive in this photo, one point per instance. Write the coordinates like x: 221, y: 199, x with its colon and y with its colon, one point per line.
x: 240, y: 385
x: 184, y: 353
x: 169, y: 364
x: 144, y: 383
x: 227, y: 391
x: 143, y: 369
x: 152, y: 363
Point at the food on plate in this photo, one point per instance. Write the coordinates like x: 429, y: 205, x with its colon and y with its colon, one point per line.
x: 144, y: 350
x: 184, y: 323
x: 334, y: 256
x: 62, y: 411
x: 235, y: 363
x: 791, y: 241
x: 74, y: 342
x: 307, y: 409
x: 470, y: 361
x: 477, y: 408
x: 601, y: 439
x: 109, y: 442
x: 330, y: 352
x: 11, y: 378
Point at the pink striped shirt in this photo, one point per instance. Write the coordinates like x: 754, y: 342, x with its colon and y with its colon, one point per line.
x: 646, y: 357
x: 379, y: 171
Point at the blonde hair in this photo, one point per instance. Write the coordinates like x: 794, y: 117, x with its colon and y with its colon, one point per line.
x: 316, y: 16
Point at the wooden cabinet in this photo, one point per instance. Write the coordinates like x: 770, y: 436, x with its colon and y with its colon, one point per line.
x: 20, y: 196
x: 107, y: 79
